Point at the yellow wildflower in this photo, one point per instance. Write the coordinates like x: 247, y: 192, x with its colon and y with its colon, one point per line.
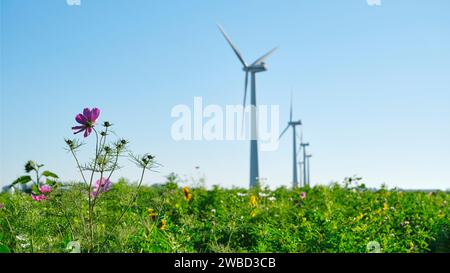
x: 385, y: 206
x: 253, y: 214
x: 163, y: 224
x: 152, y: 214
x: 253, y: 201
x: 187, y: 194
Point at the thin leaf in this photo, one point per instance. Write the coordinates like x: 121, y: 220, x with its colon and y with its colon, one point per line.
x: 22, y: 180
x: 49, y: 174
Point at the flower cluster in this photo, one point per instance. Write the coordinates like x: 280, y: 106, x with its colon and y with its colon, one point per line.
x: 101, y: 185
x: 44, y: 191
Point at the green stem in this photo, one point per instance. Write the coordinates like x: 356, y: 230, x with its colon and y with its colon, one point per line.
x: 102, y: 146
x: 132, y: 199
x: 32, y: 232
x: 161, y: 206
x: 37, y: 176
x: 115, y: 164
x: 114, y: 226
x: 79, y: 166
x: 12, y: 231
x: 67, y: 218
x: 90, y: 190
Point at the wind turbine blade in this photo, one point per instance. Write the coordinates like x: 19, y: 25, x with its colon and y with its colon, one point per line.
x: 300, y: 144
x: 245, y: 87
x: 244, y: 102
x: 284, y: 131
x: 301, y: 135
x: 238, y: 54
x: 290, y: 113
x: 264, y: 57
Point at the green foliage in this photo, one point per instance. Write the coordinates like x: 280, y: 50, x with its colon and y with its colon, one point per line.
x: 49, y: 174
x: 22, y: 180
x: 4, y: 249
x: 163, y: 219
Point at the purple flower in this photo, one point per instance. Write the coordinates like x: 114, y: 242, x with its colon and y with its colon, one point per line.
x: 2, y: 206
x: 303, y: 195
x: 45, y: 189
x: 101, y: 185
x: 87, y: 120
x: 38, y: 198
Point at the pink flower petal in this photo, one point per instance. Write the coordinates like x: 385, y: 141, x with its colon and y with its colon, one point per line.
x: 78, y: 129
x: 81, y: 119
x: 87, y: 114
x: 87, y: 132
x: 95, y: 113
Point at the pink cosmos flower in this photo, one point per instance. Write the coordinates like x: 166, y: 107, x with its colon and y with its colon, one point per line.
x: 38, y: 198
x: 101, y: 185
x: 303, y: 195
x: 45, y: 189
x: 87, y: 120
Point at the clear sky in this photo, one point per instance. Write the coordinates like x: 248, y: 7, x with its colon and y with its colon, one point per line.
x: 371, y: 83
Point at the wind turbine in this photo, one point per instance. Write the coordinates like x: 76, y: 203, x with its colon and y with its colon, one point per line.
x: 308, y: 156
x: 257, y: 66
x: 293, y: 124
x: 300, y: 164
x: 304, y: 145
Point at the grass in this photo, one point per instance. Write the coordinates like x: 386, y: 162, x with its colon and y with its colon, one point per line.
x: 164, y: 218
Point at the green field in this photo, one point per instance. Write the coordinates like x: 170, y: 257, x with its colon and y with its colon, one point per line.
x: 165, y: 218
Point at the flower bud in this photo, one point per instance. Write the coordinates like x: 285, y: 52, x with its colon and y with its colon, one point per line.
x: 107, y: 149
x: 70, y: 143
x: 30, y: 166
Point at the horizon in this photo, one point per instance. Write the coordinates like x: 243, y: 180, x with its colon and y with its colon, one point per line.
x: 370, y: 85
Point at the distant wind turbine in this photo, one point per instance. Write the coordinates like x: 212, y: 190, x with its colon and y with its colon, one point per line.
x: 305, y: 180
x: 293, y: 124
x: 308, y: 174
x: 257, y: 66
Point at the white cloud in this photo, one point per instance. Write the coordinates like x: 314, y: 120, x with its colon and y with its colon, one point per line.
x: 73, y: 2
x: 374, y: 2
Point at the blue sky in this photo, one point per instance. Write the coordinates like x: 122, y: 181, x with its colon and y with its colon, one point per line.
x: 371, y: 84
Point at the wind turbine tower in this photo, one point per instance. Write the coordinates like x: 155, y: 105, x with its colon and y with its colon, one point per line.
x: 308, y: 157
x: 293, y: 124
x: 304, y: 145
x: 257, y: 66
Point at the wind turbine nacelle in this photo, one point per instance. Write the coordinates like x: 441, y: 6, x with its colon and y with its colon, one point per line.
x: 256, y: 68
x: 295, y: 123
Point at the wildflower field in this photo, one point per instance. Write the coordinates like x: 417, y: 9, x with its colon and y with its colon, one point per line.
x: 168, y: 218
x: 45, y: 214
